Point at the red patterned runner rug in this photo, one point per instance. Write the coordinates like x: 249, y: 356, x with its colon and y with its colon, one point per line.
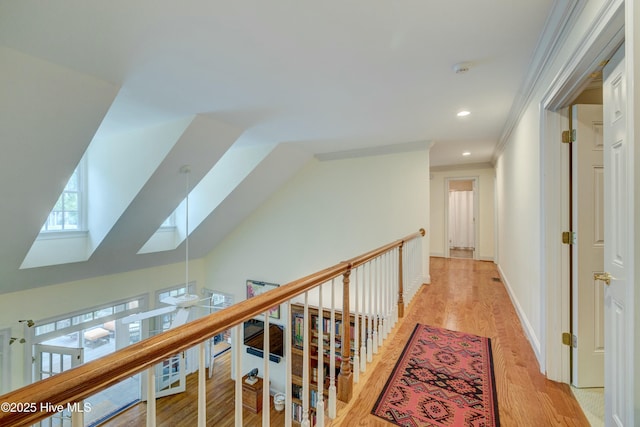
x: 443, y: 378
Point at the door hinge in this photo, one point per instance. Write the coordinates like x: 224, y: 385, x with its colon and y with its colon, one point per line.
x: 569, y: 339
x: 569, y: 237
x: 568, y: 136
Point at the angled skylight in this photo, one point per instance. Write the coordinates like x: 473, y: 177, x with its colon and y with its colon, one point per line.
x: 213, y: 188
x: 116, y: 169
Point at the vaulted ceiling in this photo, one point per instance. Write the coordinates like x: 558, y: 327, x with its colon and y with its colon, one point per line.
x: 253, y: 87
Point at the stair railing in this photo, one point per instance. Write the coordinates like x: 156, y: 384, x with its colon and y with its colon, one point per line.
x: 375, y: 286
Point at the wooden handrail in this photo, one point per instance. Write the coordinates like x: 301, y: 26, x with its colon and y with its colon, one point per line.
x: 368, y: 256
x: 78, y: 383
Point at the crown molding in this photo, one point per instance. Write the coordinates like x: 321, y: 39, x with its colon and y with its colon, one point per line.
x: 557, y: 26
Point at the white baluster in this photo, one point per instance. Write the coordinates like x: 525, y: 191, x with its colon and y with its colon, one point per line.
x: 202, y: 389
x: 374, y: 308
x: 266, y: 404
x: 238, y: 374
x: 370, y: 340
x: 380, y: 309
x: 394, y: 285
x: 390, y: 290
x: 356, y: 356
x: 385, y: 298
x: 305, y: 364
x: 363, y: 331
x: 320, y: 374
x: 333, y: 395
x: 77, y: 417
x: 151, y: 397
x: 288, y: 407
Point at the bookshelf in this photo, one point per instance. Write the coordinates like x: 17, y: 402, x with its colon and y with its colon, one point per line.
x: 297, y: 329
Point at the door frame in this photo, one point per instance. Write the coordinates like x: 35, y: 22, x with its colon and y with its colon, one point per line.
x: 605, y: 35
x: 476, y: 213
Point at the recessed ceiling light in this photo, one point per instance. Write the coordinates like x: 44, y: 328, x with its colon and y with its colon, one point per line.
x: 466, y: 153
x: 463, y: 113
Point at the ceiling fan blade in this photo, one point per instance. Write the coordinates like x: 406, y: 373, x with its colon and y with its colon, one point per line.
x: 182, y: 315
x: 147, y: 314
x: 186, y: 300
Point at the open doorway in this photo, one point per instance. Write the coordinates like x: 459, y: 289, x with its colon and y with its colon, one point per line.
x: 602, y: 42
x: 461, y: 212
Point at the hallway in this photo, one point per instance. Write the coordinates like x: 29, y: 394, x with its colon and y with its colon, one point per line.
x: 468, y: 296
x: 464, y: 295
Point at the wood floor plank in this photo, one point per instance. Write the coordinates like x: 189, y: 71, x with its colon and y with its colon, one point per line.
x: 463, y: 296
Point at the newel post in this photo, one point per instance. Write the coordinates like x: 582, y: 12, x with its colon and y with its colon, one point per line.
x: 345, y: 378
x: 400, y: 283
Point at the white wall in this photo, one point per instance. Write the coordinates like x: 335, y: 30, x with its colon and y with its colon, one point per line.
x: 518, y: 216
x: 485, y: 216
x: 519, y: 173
x: 330, y: 211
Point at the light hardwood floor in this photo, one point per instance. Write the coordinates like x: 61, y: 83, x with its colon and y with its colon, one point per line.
x: 463, y: 295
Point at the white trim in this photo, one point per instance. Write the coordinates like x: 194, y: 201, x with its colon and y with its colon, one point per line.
x: 559, y: 22
x: 602, y: 37
x: 524, y: 321
x: 632, y: 56
x: 31, y: 339
x: 554, y: 206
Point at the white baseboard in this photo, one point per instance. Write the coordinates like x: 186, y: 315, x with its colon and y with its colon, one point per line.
x: 524, y: 321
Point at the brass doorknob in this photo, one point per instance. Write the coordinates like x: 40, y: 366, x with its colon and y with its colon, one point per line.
x: 605, y: 277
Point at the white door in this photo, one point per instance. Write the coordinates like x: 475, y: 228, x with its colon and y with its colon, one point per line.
x: 171, y: 373
x: 618, y: 260
x: 52, y: 360
x: 588, y: 250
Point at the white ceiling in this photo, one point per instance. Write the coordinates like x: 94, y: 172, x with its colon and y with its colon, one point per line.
x: 324, y: 77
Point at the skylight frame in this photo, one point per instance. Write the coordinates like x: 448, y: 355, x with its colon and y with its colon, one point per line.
x: 76, y: 186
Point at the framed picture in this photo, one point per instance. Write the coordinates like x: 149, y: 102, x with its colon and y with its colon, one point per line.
x: 255, y: 287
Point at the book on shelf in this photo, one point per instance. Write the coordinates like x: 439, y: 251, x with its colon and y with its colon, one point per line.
x: 298, y: 412
x: 298, y: 330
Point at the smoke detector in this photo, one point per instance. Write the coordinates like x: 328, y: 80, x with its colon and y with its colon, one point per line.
x: 461, y: 67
